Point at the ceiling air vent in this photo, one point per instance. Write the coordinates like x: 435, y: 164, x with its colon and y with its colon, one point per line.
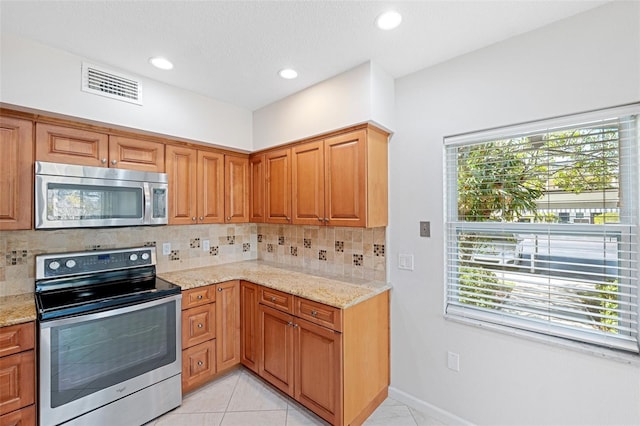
x: 107, y: 83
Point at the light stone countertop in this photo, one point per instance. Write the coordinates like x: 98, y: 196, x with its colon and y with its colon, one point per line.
x: 340, y: 292
x: 17, y: 309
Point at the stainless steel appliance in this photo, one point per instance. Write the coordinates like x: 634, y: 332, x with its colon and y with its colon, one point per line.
x: 71, y: 196
x: 109, y: 338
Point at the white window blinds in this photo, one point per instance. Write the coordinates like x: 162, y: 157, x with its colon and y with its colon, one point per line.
x: 542, y: 227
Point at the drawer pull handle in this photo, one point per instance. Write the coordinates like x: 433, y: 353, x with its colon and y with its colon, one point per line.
x: 199, y: 297
x: 200, y: 325
x: 314, y: 313
x: 273, y: 299
x: 200, y: 363
x: 290, y: 323
x: 295, y: 325
x: 219, y: 288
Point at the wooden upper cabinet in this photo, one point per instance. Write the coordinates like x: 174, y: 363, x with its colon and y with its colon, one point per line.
x: 345, y: 179
x: 60, y: 144
x: 182, y: 176
x: 136, y: 154
x: 16, y: 173
x: 278, y: 186
x: 257, y: 188
x: 210, y: 184
x: 69, y: 145
x: 308, y: 183
x: 236, y: 200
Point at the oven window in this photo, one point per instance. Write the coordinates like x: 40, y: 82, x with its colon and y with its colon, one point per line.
x: 87, y: 357
x: 74, y: 202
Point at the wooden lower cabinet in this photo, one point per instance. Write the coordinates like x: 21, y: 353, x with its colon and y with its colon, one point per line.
x: 17, y: 375
x: 276, y: 348
x: 227, y: 325
x: 198, y: 365
x: 249, y: 325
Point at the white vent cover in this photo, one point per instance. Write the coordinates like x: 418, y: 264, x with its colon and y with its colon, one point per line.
x: 113, y: 85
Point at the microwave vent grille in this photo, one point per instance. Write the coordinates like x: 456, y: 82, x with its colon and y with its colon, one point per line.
x: 103, y: 82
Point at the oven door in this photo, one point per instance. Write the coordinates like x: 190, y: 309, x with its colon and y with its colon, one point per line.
x: 91, y: 360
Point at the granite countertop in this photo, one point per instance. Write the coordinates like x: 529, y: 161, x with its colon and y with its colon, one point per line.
x: 340, y: 292
x: 17, y: 309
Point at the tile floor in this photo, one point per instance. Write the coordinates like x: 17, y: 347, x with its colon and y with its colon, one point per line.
x: 241, y: 399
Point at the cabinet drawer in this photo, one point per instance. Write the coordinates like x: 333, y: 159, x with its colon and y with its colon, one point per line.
x: 198, y: 325
x: 198, y: 365
x: 23, y: 417
x: 276, y: 299
x: 17, y: 338
x: 198, y: 296
x: 319, y: 313
x: 17, y: 381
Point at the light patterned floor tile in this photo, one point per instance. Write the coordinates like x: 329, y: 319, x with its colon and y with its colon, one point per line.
x: 212, y: 398
x: 250, y: 418
x: 424, y: 420
x: 299, y: 416
x: 189, y: 419
x: 251, y: 394
x: 396, y: 415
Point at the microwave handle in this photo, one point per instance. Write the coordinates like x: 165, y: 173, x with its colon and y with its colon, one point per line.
x: 147, y: 203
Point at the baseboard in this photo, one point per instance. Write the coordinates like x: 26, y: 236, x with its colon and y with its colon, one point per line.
x: 429, y: 409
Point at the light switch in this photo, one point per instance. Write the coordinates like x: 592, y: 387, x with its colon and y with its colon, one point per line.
x: 405, y: 261
x: 205, y: 245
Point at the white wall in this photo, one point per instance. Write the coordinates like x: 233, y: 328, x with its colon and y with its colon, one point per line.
x: 38, y: 77
x: 362, y: 94
x: 586, y: 62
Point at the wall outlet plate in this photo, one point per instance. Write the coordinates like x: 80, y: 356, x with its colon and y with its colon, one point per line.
x: 425, y: 229
x: 166, y: 249
x: 205, y: 245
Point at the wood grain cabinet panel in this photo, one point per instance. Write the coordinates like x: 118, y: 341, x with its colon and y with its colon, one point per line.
x: 249, y: 325
x: 276, y: 299
x: 236, y: 199
x: 17, y: 338
x: 308, y: 183
x: 198, y: 325
x: 227, y: 325
x: 198, y: 365
x: 17, y: 381
x: 136, y: 154
x: 22, y: 417
x: 210, y: 187
x: 60, y: 144
x: 276, y: 348
x: 278, y: 186
x: 257, y: 188
x: 16, y: 173
x: 182, y: 177
x: 198, y: 296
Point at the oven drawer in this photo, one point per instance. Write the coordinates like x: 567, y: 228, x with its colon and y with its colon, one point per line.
x: 17, y: 338
x: 198, y: 325
x: 198, y: 296
x: 276, y: 299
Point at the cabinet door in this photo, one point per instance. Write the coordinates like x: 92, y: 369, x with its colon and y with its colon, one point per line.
x: 198, y: 365
x: 227, y: 324
x: 236, y: 199
x: 257, y: 184
x: 308, y: 184
x: 276, y: 348
x: 181, y: 173
x: 278, y: 186
x: 198, y: 325
x: 16, y: 173
x: 17, y: 383
x: 318, y: 369
x: 210, y: 187
x: 249, y: 325
x: 17, y: 338
x: 136, y: 154
x: 198, y: 296
x: 345, y: 189
x: 23, y: 417
x: 60, y: 144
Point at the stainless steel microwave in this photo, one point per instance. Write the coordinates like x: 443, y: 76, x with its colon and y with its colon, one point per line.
x: 71, y: 196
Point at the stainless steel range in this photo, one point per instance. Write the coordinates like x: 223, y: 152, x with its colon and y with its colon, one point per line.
x: 109, y: 338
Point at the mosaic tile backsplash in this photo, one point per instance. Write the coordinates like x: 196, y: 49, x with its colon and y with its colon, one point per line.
x: 226, y: 243
x: 350, y: 252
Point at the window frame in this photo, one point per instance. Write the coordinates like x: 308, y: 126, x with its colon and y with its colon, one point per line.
x: 452, y: 224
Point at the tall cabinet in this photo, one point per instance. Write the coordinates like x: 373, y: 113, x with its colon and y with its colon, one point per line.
x: 16, y: 173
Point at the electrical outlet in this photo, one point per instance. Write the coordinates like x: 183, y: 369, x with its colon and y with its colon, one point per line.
x: 166, y: 249
x: 205, y: 245
x: 453, y: 361
x: 425, y: 229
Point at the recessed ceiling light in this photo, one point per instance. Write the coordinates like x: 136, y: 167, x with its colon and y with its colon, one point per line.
x: 160, y: 62
x: 288, y: 73
x: 388, y: 20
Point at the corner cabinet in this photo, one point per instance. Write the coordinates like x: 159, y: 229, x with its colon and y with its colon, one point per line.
x: 18, y: 375
x: 16, y: 173
x: 236, y: 195
x: 333, y: 361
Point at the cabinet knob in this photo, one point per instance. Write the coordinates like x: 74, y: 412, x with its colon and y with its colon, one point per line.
x: 288, y: 219
x: 200, y: 325
x: 199, y: 297
x: 295, y: 325
x: 193, y: 218
x: 114, y: 162
x: 228, y: 217
x: 219, y: 288
x: 314, y: 313
x: 320, y: 219
x: 326, y: 219
x: 201, y: 218
x: 103, y: 161
x: 273, y: 299
x: 200, y: 363
x: 290, y: 323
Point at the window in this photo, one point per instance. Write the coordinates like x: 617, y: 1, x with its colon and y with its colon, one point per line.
x: 542, y: 227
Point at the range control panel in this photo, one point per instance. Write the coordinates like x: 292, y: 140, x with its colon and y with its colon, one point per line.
x: 68, y: 264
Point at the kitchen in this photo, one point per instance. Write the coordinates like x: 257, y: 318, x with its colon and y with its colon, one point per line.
x: 552, y: 386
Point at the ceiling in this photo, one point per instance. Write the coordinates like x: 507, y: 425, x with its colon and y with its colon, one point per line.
x: 232, y: 50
